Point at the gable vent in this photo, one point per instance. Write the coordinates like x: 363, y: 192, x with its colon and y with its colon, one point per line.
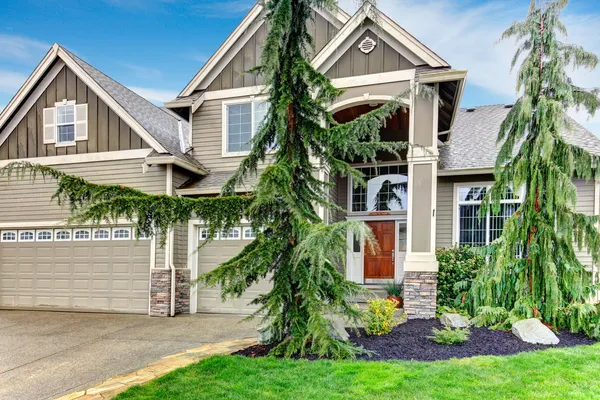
x: 367, y: 45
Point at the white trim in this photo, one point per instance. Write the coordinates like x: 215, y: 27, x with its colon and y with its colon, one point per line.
x: 374, y: 79
x: 50, y: 224
x: 83, y: 158
x: 37, y: 235
x: 222, y: 51
x: 118, y: 230
x: 31, y: 100
x: 172, y: 160
x: 229, y: 93
x: 465, y: 171
x: 443, y: 76
x: 364, y: 99
x: 95, y: 230
x: 15, y: 233
x: 59, y: 230
x: 27, y: 240
x: 87, y: 230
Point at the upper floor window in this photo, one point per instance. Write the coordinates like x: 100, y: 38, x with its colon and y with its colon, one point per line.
x: 241, y: 122
x: 386, y: 189
x: 65, y: 123
x: 475, y: 231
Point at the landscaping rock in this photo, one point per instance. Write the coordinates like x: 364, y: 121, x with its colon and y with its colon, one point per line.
x: 265, y: 336
x: 533, y: 331
x: 454, y: 320
x: 338, y: 329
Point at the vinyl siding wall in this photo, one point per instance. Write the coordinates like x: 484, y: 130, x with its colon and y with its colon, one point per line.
x: 180, y: 231
x: 106, y: 131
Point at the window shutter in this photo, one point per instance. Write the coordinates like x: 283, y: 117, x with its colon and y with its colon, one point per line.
x: 49, y: 125
x: 81, y: 122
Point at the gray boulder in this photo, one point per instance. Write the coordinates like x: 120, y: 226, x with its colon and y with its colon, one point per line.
x: 533, y: 331
x: 454, y: 320
x: 264, y: 334
x: 337, y: 329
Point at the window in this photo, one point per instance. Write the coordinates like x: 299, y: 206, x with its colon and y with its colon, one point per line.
x: 82, y: 234
x: 473, y: 231
x: 44, y: 236
x: 65, y: 124
x: 386, y: 189
x: 231, y: 234
x: 242, y: 121
x: 62, y: 235
x: 249, y: 234
x: 26, y: 236
x: 9, y: 236
x: 121, y: 234
x: 101, y: 234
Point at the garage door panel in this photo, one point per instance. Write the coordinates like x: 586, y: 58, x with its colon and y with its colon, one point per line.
x: 83, y: 275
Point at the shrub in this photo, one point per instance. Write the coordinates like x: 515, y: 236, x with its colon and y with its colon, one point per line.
x: 394, y: 288
x: 379, y: 317
x: 450, y: 336
x: 457, y: 269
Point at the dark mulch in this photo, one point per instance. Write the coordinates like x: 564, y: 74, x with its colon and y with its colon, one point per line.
x: 409, y: 342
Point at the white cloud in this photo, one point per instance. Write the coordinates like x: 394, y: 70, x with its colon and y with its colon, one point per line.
x: 21, y: 48
x: 144, y: 72
x: 158, y: 96
x: 466, y: 35
x: 11, y: 81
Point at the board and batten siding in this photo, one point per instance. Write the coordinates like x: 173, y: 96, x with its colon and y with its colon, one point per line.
x: 106, y: 131
x: 24, y: 201
x: 355, y: 63
x: 235, y: 74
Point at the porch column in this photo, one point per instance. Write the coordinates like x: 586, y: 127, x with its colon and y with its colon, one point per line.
x: 420, y: 266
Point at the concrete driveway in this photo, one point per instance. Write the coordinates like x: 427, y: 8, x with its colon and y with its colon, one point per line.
x: 44, y: 355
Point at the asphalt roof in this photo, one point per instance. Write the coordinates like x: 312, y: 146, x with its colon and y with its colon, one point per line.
x: 473, y: 144
x: 162, y: 125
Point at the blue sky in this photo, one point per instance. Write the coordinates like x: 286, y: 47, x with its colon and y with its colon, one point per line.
x: 156, y: 46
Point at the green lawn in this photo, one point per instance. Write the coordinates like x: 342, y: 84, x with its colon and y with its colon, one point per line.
x: 572, y: 373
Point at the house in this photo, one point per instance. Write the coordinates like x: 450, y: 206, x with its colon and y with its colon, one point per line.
x: 71, y: 116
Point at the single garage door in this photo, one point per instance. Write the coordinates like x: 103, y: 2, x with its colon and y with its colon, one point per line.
x: 77, y: 269
x: 224, y: 247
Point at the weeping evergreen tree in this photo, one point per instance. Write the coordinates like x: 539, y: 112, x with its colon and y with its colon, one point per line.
x: 534, y: 270
x: 294, y: 249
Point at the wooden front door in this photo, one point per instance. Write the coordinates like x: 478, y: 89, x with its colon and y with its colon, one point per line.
x: 381, y: 264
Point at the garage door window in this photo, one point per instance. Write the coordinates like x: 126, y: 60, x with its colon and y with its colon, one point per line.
x: 9, y: 236
x: 82, y: 234
x: 204, y: 234
x: 44, y: 236
x: 62, y: 235
x: 101, y: 234
x: 249, y: 234
x: 26, y: 236
x: 122, y: 234
x: 231, y: 234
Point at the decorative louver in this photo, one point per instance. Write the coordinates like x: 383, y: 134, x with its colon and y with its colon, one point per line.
x: 367, y: 45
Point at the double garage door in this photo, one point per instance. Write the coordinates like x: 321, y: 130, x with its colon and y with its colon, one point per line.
x: 104, y: 269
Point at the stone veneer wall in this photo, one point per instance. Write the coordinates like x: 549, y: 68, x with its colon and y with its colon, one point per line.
x: 420, y: 294
x: 160, y: 292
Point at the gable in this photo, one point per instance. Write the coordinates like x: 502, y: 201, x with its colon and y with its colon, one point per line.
x: 354, y: 62
x: 106, y: 130
x: 234, y: 74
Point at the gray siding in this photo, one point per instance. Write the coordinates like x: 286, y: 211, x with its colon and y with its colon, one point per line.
x: 382, y: 59
x: 22, y: 200
x: 180, y: 232
x: 235, y: 73
x: 106, y: 131
x: 585, y: 204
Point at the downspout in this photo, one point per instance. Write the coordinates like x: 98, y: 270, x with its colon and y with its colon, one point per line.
x: 169, y: 242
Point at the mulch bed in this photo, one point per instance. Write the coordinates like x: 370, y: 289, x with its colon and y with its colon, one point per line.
x: 409, y: 342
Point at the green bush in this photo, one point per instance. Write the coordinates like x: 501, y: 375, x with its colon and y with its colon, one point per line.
x: 379, y: 317
x: 450, y: 336
x: 458, y: 267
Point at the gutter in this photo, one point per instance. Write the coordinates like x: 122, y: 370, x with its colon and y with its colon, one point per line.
x: 465, y: 171
x: 172, y: 160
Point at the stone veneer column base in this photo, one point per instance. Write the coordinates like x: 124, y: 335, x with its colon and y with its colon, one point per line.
x: 420, y: 294
x: 160, y: 292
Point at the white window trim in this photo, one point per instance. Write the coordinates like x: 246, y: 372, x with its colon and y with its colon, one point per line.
x: 13, y: 232
x: 37, y: 237
x: 456, y: 203
x: 75, y: 231
x: 57, y: 231
x: 56, y: 125
x: 116, y: 230
x: 369, y: 165
x: 247, y: 229
x: 28, y: 240
x: 200, y: 238
x: 225, y: 133
x: 101, y: 229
